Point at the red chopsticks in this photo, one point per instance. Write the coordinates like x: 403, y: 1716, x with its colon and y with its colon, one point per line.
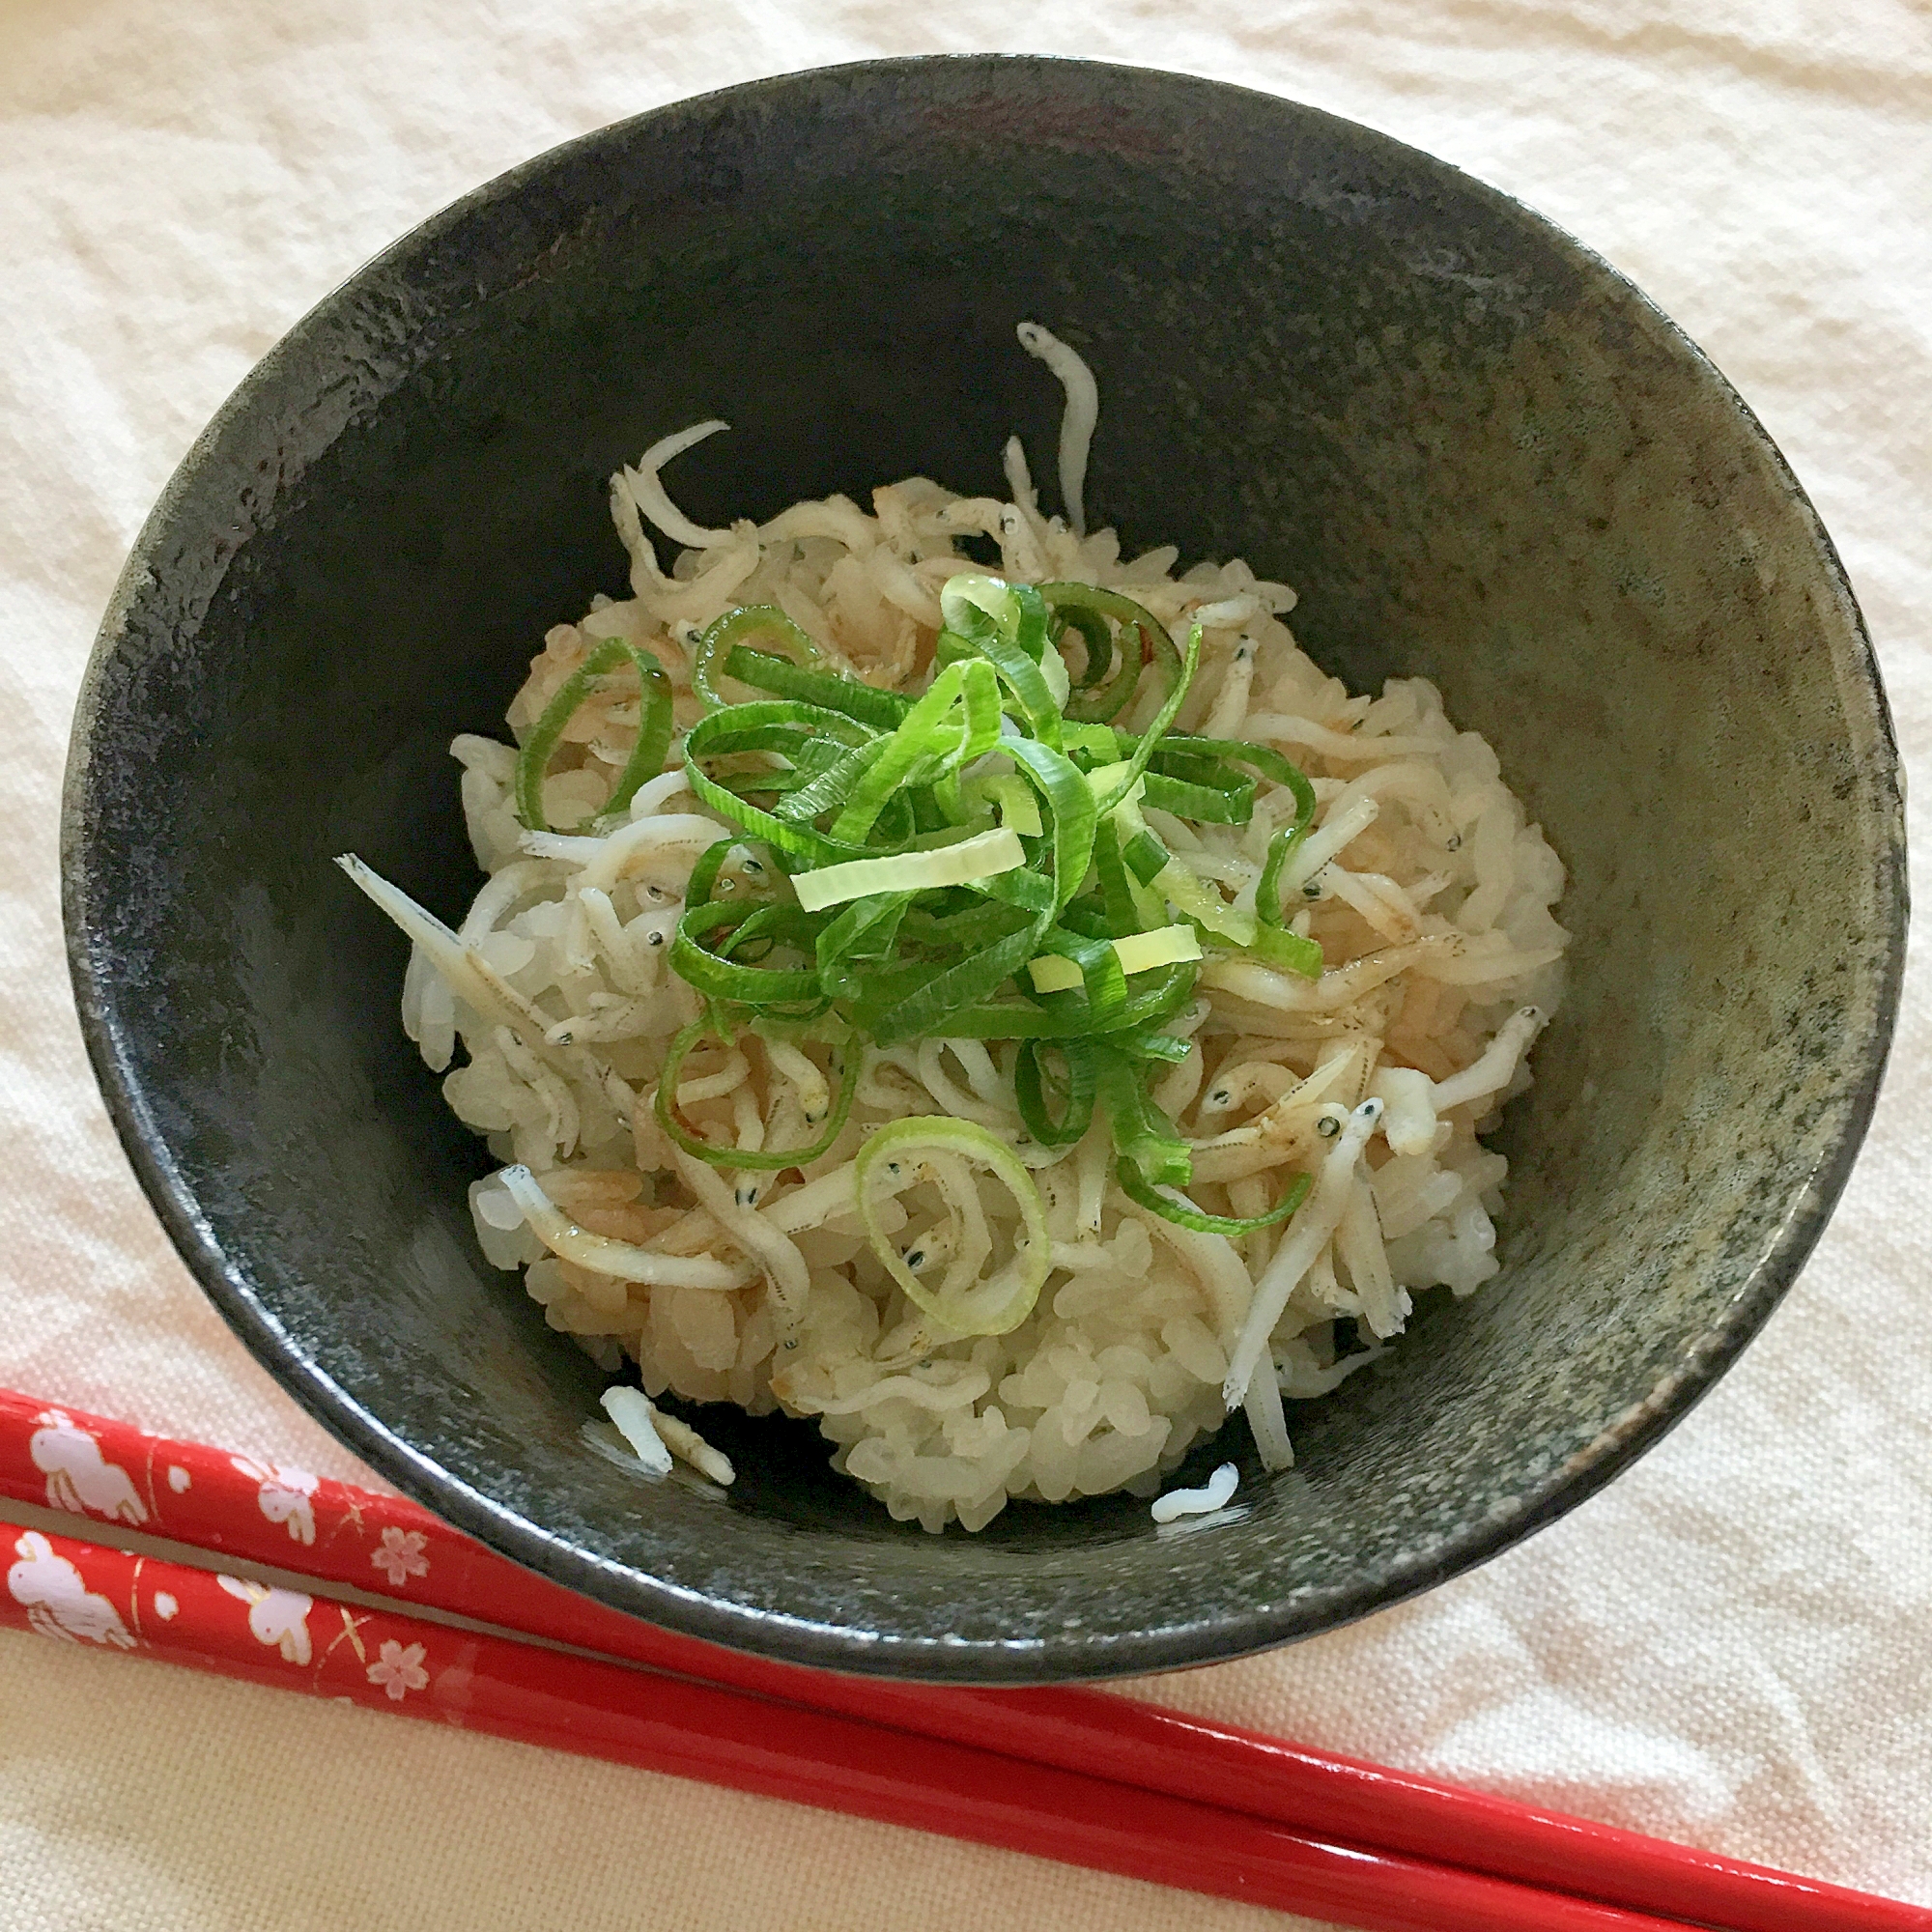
x: 1083, y: 1776
x: 81, y: 1590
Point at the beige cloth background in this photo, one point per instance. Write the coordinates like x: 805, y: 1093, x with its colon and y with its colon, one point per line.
x: 1727, y: 1646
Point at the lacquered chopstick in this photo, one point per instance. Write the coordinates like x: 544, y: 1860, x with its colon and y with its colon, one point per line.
x: 117, y: 1600
x: 245, y: 1506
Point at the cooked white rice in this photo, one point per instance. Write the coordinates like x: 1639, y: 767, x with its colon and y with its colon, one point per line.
x: 1431, y: 897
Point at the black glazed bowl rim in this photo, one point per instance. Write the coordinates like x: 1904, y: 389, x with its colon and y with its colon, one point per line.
x: 398, y: 1460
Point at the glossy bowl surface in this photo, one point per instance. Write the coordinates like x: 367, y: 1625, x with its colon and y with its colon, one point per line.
x: 1480, y: 455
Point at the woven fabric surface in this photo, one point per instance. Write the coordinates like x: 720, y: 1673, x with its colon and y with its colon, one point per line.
x: 1727, y: 1646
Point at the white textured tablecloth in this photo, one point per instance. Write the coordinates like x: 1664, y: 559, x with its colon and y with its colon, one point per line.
x: 1728, y: 1646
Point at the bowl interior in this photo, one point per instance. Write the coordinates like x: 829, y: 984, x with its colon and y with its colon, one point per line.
x: 1479, y: 455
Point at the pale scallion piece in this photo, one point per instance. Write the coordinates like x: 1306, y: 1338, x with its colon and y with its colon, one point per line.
x: 1012, y: 798
x: 984, y: 856
x: 1165, y: 945
x: 1138, y: 952
x: 1052, y: 974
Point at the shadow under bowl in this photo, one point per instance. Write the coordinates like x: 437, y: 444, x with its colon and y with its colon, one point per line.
x: 1480, y: 455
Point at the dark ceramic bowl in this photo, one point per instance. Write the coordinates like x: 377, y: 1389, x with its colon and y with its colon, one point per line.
x: 1479, y: 453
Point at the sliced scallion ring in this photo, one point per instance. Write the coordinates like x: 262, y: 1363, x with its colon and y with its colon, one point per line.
x: 748, y: 620
x: 647, y: 754
x: 664, y: 1107
x: 1003, y: 1300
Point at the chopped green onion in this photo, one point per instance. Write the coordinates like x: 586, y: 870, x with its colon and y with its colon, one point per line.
x: 1029, y: 1089
x: 1096, y: 642
x: 1004, y: 1299
x: 1067, y: 795
x: 647, y: 754
x: 885, y: 710
x: 663, y: 1106
x: 1099, y: 741
x: 1119, y: 898
x: 1138, y: 952
x: 1211, y: 803
x: 1143, y: 1135
x: 982, y: 857
x: 792, y: 731
x: 1273, y: 941
x: 1167, y: 946
x: 1175, y: 1206
x: 1155, y: 866
x: 749, y: 620
x: 1103, y: 982
x: 1012, y: 798
x: 1148, y: 1043
x: 865, y: 931
x: 1051, y: 974
x: 1146, y: 858
x: 955, y: 722
x: 1270, y: 764
x: 1142, y: 639
x: 1192, y: 895
x: 1163, y: 718
x: 1276, y: 945
x: 1106, y: 781
x: 990, y: 596
x: 718, y: 976
x: 940, y: 1005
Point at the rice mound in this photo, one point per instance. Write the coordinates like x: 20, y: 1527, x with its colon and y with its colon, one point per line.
x: 1444, y: 902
